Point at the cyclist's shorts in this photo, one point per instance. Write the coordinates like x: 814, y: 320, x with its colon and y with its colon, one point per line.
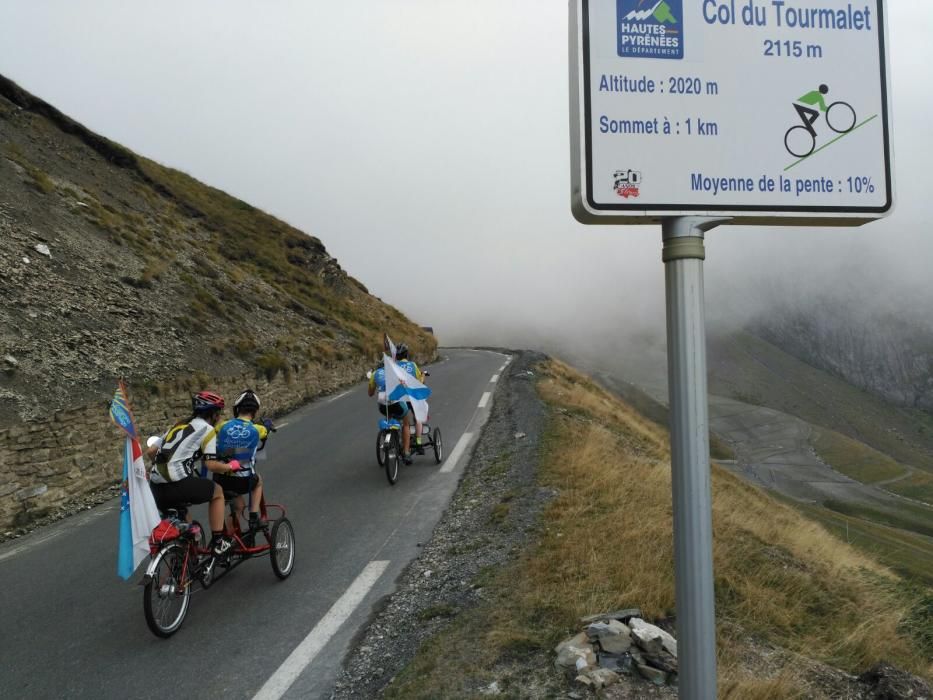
x: 191, y: 489
x: 237, y: 484
x: 396, y: 410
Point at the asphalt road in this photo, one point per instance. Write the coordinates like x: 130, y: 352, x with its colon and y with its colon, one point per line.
x: 71, y: 628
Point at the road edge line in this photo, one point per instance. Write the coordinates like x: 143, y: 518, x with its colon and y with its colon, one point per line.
x: 302, y: 656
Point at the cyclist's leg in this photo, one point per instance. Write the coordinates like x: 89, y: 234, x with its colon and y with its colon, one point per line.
x: 239, y: 485
x: 161, y: 495
x: 239, y: 507
x: 416, y: 424
x: 406, y: 431
x: 193, y: 489
x: 179, y: 494
x: 215, y: 508
x: 255, y: 497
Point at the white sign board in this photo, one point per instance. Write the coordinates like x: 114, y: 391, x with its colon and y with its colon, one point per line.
x: 768, y: 111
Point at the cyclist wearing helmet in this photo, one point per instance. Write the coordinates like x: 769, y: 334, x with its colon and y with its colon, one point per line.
x: 401, y: 354
x: 397, y: 410
x: 239, y: 439
x: 174, y: 480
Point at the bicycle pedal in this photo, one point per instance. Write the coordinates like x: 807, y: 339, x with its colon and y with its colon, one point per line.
x: 207, y: 574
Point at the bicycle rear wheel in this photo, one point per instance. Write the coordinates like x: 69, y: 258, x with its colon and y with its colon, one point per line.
x: 392, y: 456
x: 167, y: 595
x: 799, y: 141
x: 282, y: 554
x: 438, y: 441
x: 380, y: 438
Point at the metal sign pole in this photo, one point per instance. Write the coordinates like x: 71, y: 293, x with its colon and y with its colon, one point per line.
x: 683, y: 254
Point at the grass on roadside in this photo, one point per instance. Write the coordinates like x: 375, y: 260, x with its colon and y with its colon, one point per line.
x: 606, y: 543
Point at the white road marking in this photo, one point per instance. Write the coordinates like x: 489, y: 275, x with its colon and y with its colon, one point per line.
x: 36, y: 539
x: 304, y: 653
x: 451, y: 462
x: 495, y: 378
x: 484, y: 399
x: 338, y: 396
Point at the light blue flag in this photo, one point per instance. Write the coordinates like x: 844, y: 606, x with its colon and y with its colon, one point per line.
x: 401, y: 386
x: 138, y: 512
x: 125, y: 565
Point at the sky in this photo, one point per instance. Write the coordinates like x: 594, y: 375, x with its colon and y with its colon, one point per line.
x: 426, y: 143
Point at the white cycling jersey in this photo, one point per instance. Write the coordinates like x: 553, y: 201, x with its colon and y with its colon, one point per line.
x: 182, y: 447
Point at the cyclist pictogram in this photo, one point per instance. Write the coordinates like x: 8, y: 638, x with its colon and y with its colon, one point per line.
x: 800, y: 140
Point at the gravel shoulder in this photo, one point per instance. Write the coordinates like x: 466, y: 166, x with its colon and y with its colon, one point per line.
x: 446, y: 578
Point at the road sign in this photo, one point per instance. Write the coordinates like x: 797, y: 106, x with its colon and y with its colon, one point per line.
x: 767, y: 111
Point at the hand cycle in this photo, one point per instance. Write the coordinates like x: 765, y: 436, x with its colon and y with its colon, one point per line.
x: 180, y: 556
x: 389, y: 445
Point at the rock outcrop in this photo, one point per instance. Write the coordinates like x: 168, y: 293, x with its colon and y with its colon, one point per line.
x: 618, y: 643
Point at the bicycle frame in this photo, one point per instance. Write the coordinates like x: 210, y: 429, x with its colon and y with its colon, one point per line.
x: 236, y: 533
x: 240, y: 549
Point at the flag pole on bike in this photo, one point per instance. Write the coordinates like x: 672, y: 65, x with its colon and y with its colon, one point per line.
x: 138, y: 512
x: 388, y: 345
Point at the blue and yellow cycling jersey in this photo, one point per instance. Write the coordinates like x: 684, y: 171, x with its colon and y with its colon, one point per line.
x: 412, y: 369
x: 378, y: 379
x: 239, y: 439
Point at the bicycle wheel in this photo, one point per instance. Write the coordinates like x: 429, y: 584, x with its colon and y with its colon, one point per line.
x: 380, y: 438
x: 799, y: 141
x: 282, y: 554
x: 166, y: 597
x: 392, y: 456
x: 842, y: 121
x: 438, y: 445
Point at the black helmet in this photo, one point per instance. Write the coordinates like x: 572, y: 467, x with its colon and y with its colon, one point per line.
x: 206, y: 402
x: 401, y: 352
x: 247, y: 401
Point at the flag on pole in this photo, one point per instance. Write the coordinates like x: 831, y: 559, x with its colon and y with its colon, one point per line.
x: 388, y: 345
x: 138, y: 512
x: 401, y: 386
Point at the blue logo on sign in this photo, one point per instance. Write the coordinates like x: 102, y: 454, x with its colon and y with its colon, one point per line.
x: 650, y: 28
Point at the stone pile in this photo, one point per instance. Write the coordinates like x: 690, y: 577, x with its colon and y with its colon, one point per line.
x: 616, y: 643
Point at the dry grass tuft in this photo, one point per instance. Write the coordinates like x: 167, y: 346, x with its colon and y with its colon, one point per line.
x: 783, y: 687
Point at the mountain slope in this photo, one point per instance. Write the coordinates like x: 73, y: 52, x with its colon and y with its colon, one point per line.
x: 746, y: 367
x: 112, y: 265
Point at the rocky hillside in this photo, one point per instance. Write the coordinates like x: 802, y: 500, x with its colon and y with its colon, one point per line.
x: 887, y: 351
x: 112, y: 265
